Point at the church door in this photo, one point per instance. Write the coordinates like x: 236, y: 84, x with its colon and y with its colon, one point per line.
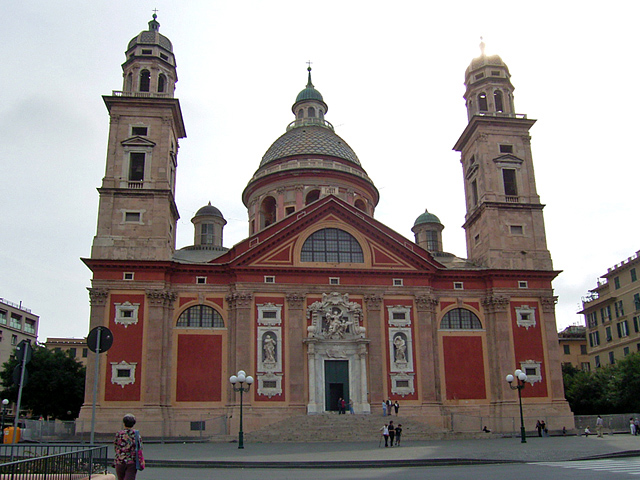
x: 336, y: 383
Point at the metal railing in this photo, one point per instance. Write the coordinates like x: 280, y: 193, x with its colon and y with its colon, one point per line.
x: 66, y: 462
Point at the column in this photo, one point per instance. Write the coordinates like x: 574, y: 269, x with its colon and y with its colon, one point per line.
x: 499, y: 346
x: 429, y: 358
x: 241, y: 332
x: 158, y: 328
x: 296, y: 324
x: 377, y: 349
x: 552, y: 366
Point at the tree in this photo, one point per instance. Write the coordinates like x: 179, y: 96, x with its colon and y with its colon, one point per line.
x: 55, y: 385
x: 626, y: 384
x: 589, y: 393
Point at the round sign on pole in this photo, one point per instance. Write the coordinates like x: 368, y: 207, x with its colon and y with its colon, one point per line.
x: 100, y: 339
x: 17, y: 375
x: 24, y: 351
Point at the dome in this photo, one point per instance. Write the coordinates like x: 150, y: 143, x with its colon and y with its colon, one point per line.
x: 151, y: 37
x: 309, y: 93
x: 309, y: 140
x: 208, y: 210
x: 427, y: 217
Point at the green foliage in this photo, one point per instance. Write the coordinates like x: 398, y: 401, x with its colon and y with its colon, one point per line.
x: 607, y: 390
x: 55, y: 385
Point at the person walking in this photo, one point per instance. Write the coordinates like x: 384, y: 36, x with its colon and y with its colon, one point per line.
x: 392, y: 432
x: 398, y: 434
x: 385, y: 434
x: 599, y: 425
x: 539, y: 428
x: 126, y: 445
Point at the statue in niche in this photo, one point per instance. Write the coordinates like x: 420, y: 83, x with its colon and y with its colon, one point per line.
x: 336, y: 324
x: 400, y: 347
x: 269, y: 349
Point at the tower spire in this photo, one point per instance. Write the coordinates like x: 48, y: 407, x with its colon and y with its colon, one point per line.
x: 309, y: 84
x: 154, y: 25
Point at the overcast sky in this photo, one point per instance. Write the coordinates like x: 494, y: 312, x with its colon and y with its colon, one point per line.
x: 392, y: 74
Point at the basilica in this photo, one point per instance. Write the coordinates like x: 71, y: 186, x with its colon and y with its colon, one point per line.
x: 321, y: 301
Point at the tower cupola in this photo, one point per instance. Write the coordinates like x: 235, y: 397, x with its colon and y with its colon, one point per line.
x: 208, y: 224
x: 428, y: 232
x: 150, y: 68
x: 489, y: 89
x: 309, y: 107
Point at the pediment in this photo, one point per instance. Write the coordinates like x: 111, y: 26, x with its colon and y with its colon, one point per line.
x: 280, y: 244
x: 138, y: 141
x: 508, y: 159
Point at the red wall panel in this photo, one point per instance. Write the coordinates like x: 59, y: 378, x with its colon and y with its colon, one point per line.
x: 528, y: 345
x: 199, y: 368
x: 464, y: 368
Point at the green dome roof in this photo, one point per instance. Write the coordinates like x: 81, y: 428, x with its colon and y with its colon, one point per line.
x: 208, y: 210
x: 427, y: 217
x: 309, y: 93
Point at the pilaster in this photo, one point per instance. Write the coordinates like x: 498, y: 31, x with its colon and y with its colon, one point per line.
x: 429, y: 360
x: 296, y: 328
x: 375, y: 329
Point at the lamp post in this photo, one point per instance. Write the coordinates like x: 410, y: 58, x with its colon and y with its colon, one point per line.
x: 241, y: 378
x: 5, y: 402
x: 520, y: 378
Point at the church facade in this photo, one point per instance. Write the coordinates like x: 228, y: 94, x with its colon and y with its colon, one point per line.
x: 321, y: 301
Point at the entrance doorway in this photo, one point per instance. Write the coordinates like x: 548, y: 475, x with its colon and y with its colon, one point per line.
x: 336, y: 383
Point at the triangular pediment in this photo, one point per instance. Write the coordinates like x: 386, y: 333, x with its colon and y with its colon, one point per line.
x: 138, y: 141
x: 280, y: 244
x: 508, y: 159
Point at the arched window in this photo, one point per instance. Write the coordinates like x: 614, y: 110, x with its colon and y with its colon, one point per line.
x: 312, y: 196
x: 145, y: 80
x: 129, y: 83
x: 312, y: 112
x: 200, y: 316
x: 332, y: 245
x: 482, y: 102
x: 360, y: 205
x: 460, y: 319
x: 268, y: 211
x: 162, y: 83
x: 497, y: 98
x: 301, y: 113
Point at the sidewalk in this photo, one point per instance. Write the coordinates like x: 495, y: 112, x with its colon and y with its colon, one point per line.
x: 369, y: 454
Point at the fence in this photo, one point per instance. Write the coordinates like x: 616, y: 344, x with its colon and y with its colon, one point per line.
x: 509, y: 425
x: 611, y: 423
x: 198, y: 429
x: 66, y: 462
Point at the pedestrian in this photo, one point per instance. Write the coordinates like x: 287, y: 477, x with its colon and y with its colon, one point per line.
x: 632, y: 426
x: 564, y: 431
x: 384, y: 408
x: 398, y: 434
x: 396, y: 407
x: 389, y: 406
x: 343, y: 406
x: 587, y: 432
x: 351, y: 407
x: 485, y: 429
x: 545, y: 431
x: 539, y: 428
x: 637, y: 424
x: 385, y: 434
x: 126, y: 445
x: 599, y: 425
x: 392, y: 433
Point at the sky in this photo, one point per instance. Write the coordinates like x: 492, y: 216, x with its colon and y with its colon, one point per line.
x: 392, y: 75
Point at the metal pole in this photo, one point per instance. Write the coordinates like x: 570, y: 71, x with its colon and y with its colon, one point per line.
x: 240, y: 433
x: 522, y: 432
x: 95, y: 386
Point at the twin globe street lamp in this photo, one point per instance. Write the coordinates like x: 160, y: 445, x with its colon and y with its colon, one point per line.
x: 520, y: 378
x: 241, y: 378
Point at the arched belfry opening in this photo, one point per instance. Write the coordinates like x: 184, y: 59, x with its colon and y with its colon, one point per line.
x: 268, y: 212
x: 145, y: 81
x: 312, y: 196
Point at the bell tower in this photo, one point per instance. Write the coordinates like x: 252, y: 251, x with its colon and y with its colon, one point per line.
x: 504, y: 224
x: 137, y: 214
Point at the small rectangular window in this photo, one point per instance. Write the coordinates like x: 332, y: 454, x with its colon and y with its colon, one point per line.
x: 516, y: 229
x: 147, y: 51
x: 141, y: 131
x: 269, y: 384
x: 85, y: 352
x: 72, y: 352
x: 530, y: 371
x: 3, y: 317
x: 495, y: 73
x: 123, y: 373
x: 127, y: 276
x: 269, y: 314
x: 523, y: 284
x: 164, y: 57
x: 132, y: 217
x: 616, y: 282
x: 289, y: 210
x: 197, y: 426
x: 398, y: 282
x: 399, y: 316
x: 402, y: 383
x: 509, y: 179
x: 634, y: 277
x: 458, y: 285
x: 474, y: 192
x: 626, y: 351
x: 334, y: 280
x: 479, y: 76
x: 14, y: 339
x: 506, y: 148
x: 567, y: 349
x: 612, y: 358
x: 201, y: 280
x: 597, y: 361
x: 269, y: 279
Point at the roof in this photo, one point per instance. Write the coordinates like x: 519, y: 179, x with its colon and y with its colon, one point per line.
x: 309, y: 140
x: 151, y: 37
x: 208, y: 210
x: 427, y: 217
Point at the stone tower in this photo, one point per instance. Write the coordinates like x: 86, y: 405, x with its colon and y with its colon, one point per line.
x: 504, y: 223
x: 137, y: 212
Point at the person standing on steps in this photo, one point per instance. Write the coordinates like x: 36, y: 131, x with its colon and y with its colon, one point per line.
x: 351, y: 407
x: 396, y: 407
x: 385, y: 434
x: 392, y: 433
x: 384, y: 408
x: 389, y: 406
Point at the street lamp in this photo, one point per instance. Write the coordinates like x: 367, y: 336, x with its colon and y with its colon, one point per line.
x: 520, y: 378
x: 5, y: 402
x: 241, y: 378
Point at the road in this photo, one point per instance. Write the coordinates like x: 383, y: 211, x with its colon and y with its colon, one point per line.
x: 616, y: 469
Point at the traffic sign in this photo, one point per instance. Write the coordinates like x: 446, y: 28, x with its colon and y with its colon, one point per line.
x: 100, y: 339
x: 24, y: 352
